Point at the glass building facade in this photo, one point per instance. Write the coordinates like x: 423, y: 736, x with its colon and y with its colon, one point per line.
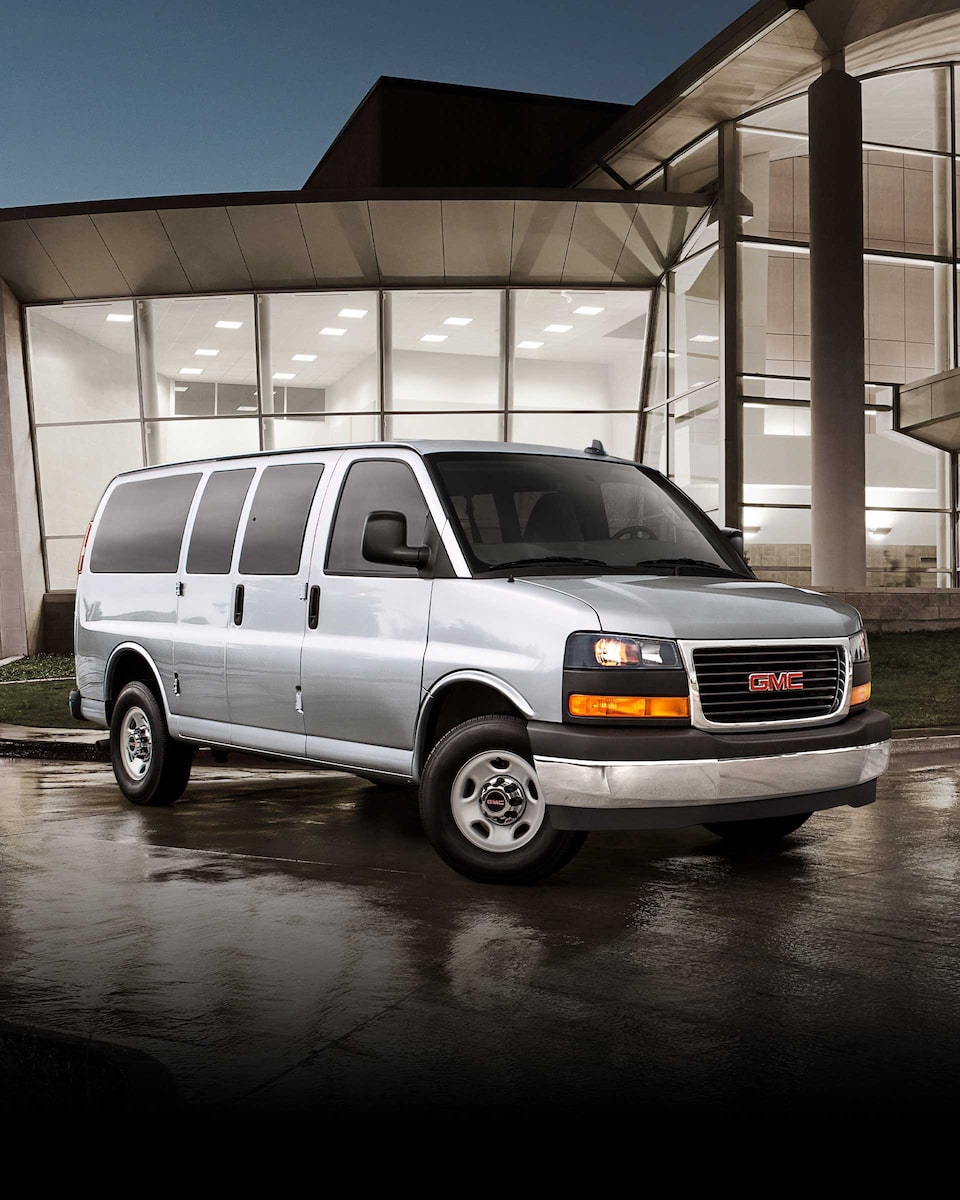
x: 910, y: 170
x: 122, y: 384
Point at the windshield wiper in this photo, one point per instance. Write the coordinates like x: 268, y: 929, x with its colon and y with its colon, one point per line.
x: 688, y: 562
x: 547, y: 558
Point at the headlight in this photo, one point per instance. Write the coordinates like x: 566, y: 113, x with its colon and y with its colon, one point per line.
x: 859, y: 648
x: 601, y: 650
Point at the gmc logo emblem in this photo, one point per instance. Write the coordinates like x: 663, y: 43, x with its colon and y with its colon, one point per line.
x: 776, y: 681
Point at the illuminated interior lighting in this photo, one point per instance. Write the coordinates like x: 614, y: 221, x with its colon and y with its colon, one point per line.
x: 246, y: 408
x: 705, y: 337
x: 779, y: 247
x: 190, y: 371
x: 588, y: 310
x: 124, y: 318
x: 557, y: 328
x: 529, y: 345
x: 775, y: 133
x: 283, y: 375
x: 304, y: 358
x: 229, y: 324
x: 898, y: 260
x: 664, y: 354
x: 332, y: 331
x: 182, y: 388
x: 204, y: 353
x: 752, y: 404
x: 434, y: 337
x: 909, y: 151
x: 458, y: 321
x: 352, y: 314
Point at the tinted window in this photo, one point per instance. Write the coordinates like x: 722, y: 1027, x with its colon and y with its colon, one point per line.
x: 273, y: 540
x: 142, y: 526
x: 215, y: 525
x: 560, y: 513
x: 370, y: 486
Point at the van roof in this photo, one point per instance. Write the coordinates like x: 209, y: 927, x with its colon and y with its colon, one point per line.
x: 421, y: 446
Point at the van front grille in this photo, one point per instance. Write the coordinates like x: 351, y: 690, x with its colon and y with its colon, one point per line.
x: 769, y: 683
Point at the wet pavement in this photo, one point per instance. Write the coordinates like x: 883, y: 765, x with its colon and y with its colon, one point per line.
x: 288, y: 944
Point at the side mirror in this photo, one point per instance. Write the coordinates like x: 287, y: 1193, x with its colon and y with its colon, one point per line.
x: 735, y: 537
x: 385, y: 541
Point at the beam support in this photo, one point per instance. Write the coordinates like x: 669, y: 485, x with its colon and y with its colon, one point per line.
x: 838, y: 551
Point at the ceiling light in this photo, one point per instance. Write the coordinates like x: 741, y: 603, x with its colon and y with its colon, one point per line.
x: 557, y: 328
x: 529, y: 345
x: 704, y: 337
x: 354, y: 314
x: 182, y: 388
x: 458, y: 320
x: 588, y: 310
x: 283, y: 375
x: 434, y: 337
x: 663, y: 354
x: 191, y: 371
x: 332, y: 331
x: 202, y: 353
x: 229, y: 324
x: 126, y: 318
x: 246, y: 408
x: 304, y: 358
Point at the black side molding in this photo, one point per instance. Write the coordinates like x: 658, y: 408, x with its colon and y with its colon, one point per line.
x: 74, y: 702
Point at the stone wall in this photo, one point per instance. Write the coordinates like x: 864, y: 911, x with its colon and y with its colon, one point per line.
x: 906, y: 610
x: 898, y: 567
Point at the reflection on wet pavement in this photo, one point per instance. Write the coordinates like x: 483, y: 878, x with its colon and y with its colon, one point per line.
x: 287, y: 942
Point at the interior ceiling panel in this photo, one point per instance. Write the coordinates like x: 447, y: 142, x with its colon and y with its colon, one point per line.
x: 143, y: 251
x: 340, y: 241
x: 81, y: 255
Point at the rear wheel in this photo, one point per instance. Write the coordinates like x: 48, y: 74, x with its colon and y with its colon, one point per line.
x: 150, y: 767
x: 759, y: 830
x: 482, y: 807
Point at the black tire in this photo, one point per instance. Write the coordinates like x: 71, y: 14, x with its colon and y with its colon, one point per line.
x: 542, y: 850
x: 147, y: 747
x: 758, y: 831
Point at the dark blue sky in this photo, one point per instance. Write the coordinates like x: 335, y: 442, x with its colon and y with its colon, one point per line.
x: 102, y: 98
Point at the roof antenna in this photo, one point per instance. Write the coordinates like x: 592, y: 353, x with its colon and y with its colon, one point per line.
x: 596, y: 447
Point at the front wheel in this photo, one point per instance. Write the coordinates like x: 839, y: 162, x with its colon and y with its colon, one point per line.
x: 759, y: 830
x: 482, y: 807
x: 150, y: 767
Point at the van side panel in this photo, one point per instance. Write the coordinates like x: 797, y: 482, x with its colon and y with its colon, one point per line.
x: 517, y: 631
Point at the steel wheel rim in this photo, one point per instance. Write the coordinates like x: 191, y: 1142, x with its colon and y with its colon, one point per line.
x: 136, y: 743
x: 496, y: 801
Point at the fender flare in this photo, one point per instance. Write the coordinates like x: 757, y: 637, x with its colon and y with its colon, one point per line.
x: 141, y: 653
x: 437, y: 691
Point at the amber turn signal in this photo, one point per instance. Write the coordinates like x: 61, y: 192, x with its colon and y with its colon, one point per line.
x: 628, y: 706
x: 860, y: 694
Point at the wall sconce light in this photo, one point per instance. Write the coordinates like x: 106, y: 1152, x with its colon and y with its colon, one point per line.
x: 878, y: 531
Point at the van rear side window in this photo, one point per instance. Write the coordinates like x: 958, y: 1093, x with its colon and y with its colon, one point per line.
x: 273, y: 539
x: 142, y: 526
x: 215, y: 525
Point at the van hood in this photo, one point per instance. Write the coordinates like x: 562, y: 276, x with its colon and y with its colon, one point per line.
x: 688, y: 607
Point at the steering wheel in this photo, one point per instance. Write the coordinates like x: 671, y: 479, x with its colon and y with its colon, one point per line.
x: 635, y: 533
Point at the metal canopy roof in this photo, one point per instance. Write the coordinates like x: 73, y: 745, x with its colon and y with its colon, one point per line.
x: 293, y: 240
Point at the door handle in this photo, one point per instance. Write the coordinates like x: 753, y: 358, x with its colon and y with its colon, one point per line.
x: 238, y: 605
x: 313, y: 611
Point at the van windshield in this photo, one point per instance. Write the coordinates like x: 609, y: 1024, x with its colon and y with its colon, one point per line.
x: 548, y: 514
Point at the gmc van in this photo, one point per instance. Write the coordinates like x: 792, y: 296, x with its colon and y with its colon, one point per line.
x: 544, y: 641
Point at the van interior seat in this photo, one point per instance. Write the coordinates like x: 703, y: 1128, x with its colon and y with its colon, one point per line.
x: 553, y: 519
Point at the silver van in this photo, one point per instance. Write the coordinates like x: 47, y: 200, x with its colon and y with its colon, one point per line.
x: 544, y: 641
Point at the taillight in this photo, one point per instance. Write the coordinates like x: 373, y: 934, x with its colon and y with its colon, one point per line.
x: 83, y: 548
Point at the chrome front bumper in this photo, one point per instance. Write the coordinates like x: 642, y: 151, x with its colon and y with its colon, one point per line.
x: 577, y: 783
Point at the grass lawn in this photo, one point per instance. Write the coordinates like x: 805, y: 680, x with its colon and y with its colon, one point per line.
x: 916, y: 679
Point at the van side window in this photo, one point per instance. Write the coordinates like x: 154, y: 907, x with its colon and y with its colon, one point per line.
x: 142, y: 526
x: 369, y: 486
x: 215, y: 525
x: 273, y: 539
